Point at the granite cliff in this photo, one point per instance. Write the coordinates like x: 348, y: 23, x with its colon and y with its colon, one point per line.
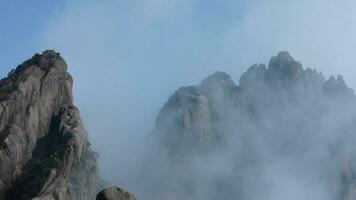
x: 44, y: 149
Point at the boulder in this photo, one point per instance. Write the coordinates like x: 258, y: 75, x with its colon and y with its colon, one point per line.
x: 115, y: 193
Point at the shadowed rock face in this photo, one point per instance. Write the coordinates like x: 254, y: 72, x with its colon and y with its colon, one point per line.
x: 44, y: 151
x: 115, y: 193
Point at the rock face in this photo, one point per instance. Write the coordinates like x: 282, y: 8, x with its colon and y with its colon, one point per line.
x: 44, y: 149
x: 115, y: 193
x: 276, y: 113
x: 193, y: 112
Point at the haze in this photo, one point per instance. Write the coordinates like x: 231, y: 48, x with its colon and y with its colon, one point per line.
x: 128, y: 57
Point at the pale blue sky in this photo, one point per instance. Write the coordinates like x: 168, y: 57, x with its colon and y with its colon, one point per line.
x: 128, y: 56
x: 20, y: 24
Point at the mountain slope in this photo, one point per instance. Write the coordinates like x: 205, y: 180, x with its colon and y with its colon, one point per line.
x: 44, y: 150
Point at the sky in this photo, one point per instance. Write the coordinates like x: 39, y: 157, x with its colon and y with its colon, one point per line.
x: 128, y: 56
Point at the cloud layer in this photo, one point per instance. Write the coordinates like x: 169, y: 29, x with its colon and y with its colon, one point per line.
x: 127, y: 57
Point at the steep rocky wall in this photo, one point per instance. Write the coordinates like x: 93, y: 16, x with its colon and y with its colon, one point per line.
x: 44, y: 152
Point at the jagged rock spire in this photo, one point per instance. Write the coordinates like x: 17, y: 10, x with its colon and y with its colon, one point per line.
x: 44, y: 152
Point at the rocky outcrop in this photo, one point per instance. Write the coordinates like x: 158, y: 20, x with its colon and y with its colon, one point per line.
x: 193, y: 111
x: 190, y: 114
x: 44, y: 149
x: 115, y: 193
x: 281, y: 107
x: 187, y: 114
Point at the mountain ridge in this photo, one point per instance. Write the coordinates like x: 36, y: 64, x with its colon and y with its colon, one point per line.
x: 276, y: 112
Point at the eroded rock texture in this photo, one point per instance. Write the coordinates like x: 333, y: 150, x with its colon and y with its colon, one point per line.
x: 44, y: 149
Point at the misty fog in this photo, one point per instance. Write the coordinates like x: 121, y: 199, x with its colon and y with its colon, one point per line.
x: 283, y: 133
x: 128, y: 57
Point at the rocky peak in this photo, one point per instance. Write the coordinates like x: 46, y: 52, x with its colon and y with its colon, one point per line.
x: 45, y: 61
x: 47, y: 67
x: 282, y: 57
x: 195, y: 110
x: 218, y: 76
x: 187, y: 114
x: 282, y: 71
x: 217, y: 80
x: 336, y: 86
x: 284, y: 67
x: 44, y: 152
x: 255, y: 74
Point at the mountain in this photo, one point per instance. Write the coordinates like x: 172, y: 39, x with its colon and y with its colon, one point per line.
x: 193, y: 112
x: 283, y: 132
x: 44, y: 150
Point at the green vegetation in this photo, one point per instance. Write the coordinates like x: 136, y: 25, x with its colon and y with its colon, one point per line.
x: 33, y: 179
x: 3, y: 145
x: 3, y: 136
x: 6, y: 85
x: 37, y: 170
